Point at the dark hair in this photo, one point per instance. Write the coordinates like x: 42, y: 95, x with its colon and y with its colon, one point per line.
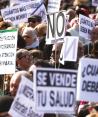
x: 5, y: 103
x: 35, y: 18
x: 49, y: 115
x: 42, y: 63
x: 82, y: 9
x: 20, y: 42
x: 83, y: 113
x: 38, y: 54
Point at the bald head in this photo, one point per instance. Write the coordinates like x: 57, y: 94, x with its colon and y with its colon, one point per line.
x: 15, y: 80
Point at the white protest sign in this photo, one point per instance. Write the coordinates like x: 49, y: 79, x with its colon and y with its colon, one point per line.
x: 20, y: 13
x: 53, y: 6
x: 8, y: 45
x: 17, y: 2
x: 69, y: 49
x: 87, y: 80
x: 23, y: 104
x: 85, y: 26
x: 95, y: 3
x: 56, y: 26
x: 55, y: 90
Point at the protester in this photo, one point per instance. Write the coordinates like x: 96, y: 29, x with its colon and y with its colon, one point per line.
x: 36, y: 54
x: 80, y: 51
x: 34, y: 20
x: 41, y: 29
x: 23, y: 59
x: 94, y: 36
x: 72, y: 13
x: 15, y: 80
x: 41, y: 64
x: 21, y: 27
x: 20, y: 42
x: 30, y: 37
x: 55, y: 55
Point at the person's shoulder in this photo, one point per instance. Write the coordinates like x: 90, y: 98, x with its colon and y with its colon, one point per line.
x: 89, y: 56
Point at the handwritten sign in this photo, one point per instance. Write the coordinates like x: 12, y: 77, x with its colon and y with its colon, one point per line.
x: 87, y: 81
x: 17, y: 2
x: 20, y: 13
x: 85, y: 26
x: 23, y: 104
x: 53, y: 6
x: 8, y: 45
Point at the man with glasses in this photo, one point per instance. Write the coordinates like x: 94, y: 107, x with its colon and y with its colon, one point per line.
x: 23, y: 59
x: 34, y: 20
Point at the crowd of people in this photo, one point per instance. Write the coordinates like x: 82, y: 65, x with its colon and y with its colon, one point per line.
x: 33, y: 52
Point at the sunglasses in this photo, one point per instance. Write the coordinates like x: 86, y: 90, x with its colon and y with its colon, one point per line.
x: 32, y: 20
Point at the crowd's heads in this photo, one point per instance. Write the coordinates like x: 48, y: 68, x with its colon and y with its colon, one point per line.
x: 15, y: 80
